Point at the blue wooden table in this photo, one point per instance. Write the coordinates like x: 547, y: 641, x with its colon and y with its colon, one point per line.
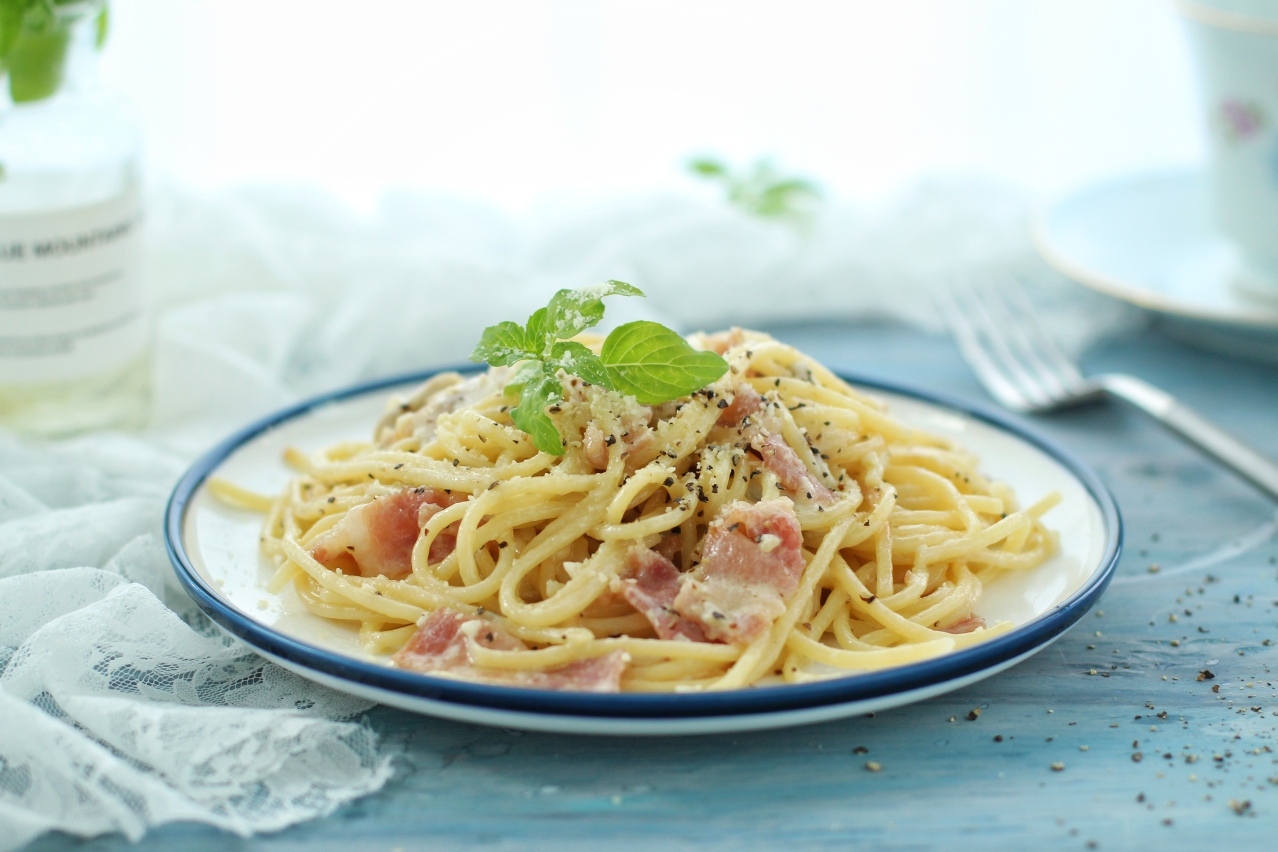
x: 1152, y: 756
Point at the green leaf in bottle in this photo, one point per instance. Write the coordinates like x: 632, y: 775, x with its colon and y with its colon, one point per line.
x: 34, y: 39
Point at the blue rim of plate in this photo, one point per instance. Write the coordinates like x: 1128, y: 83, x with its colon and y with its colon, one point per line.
x: 853, y: 688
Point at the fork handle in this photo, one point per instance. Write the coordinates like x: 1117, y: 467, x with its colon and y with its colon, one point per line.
x: 1193, y: 427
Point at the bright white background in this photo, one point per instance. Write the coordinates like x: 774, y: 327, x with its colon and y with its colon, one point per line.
x: 511, y: 100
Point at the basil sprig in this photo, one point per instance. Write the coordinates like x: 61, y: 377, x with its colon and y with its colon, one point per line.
x: 762, y: 191
x: 643, y: 359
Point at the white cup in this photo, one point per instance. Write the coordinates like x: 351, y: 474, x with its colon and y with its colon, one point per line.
x: 1236, y: 42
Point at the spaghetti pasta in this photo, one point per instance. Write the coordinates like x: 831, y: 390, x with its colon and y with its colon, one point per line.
x: 775, y: 526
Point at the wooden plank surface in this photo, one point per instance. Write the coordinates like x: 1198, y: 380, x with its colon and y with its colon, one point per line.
x: 1133, y: 778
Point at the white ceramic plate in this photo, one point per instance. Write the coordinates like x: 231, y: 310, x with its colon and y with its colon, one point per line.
x: 215, y: 552
x: 1149, y: 240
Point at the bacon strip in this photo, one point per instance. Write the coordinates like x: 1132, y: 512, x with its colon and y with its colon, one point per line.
x: 967, y: 625
x: 752, y: 559
x: 651, y: 585
x: 790, y: 471
x: 377, y: 538
x: 592, y: 443
x: 721, y: 341
x: 441, y: 646
x: 638, y: 444
x: 443, y: 394
x: 745, y: 401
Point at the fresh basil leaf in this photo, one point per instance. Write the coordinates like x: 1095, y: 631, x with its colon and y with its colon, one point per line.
x: 577, y: 360
x: 528, y: 372
x: 502, y: 344
x: 538, y: 335
x: 530, y: 415
x: 643, y: 359
x: 654, y: 364
x: 571, y: 312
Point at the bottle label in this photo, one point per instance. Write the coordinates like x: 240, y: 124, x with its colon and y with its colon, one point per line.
x: 71, y: 301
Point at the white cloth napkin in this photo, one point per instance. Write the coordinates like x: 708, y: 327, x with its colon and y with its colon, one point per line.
x: 271, y: 293
x: 123, y: 707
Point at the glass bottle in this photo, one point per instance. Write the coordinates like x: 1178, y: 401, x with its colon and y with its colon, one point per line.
x: 74, y: 328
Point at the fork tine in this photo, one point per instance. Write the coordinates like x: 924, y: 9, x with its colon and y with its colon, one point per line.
x: 995, y: 325
x: 1026, y: 335
x: 1063, y: 366
x: 974, y: 352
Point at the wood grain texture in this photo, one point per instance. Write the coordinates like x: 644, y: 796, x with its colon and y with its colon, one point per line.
x: 943, y: 784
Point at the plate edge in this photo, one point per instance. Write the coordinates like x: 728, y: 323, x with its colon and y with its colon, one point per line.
x: 1036, y: 634
x: 1115, y: 288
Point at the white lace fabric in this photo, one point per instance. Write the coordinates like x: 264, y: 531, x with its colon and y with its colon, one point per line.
x: 122, y: 707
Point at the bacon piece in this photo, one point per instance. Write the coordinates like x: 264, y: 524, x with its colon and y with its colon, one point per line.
x: 650, y: 585
x: 638, y: 445
x: 746, y: 400
x: 592, y: 444
x: 446, y: 541
x: 790, y: 471
x: 752, y: 558
x: 670, y: 546
x: 721, y: 341
x: 966, y: 625
x: 443, y: 394
x: 751, y: 563
x: 441, y: 646
x: 377, y: 538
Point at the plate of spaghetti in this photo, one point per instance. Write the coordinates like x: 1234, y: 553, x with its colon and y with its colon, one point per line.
x: 781, y: 545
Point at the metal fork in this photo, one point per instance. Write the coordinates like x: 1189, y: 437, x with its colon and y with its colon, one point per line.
x: 1017, y: 362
